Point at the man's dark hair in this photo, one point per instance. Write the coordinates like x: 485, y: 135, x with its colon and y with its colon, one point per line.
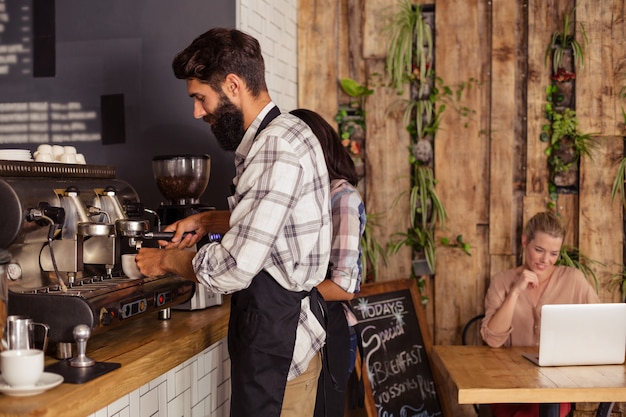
x: 219, y: 52
x: 338, y: 160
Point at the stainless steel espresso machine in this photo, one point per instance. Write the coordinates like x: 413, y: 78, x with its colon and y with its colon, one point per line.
x: 182, y: 179
x: 66, y: 227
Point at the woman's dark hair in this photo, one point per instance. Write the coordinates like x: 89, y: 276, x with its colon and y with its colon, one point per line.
x: 219, y: 52
x: 338, y: 160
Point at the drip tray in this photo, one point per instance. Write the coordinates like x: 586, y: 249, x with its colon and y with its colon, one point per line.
x: 73, y: 375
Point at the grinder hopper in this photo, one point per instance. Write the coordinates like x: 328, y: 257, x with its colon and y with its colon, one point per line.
x: 182, y: 178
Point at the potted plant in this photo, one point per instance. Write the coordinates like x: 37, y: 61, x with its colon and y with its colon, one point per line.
x: 428, y: 212
x: 566, y: 143
x: 563, y: 43
x: 411, y: 48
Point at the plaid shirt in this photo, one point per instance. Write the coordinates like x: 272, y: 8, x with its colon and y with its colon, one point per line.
x: 348, y: 224
x: 349, y: 219
x: 280, y: 221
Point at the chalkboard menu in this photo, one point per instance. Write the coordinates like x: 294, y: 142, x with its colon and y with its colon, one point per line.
x: 396, y: 345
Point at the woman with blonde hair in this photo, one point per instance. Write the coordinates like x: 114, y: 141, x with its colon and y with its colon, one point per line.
x: 515, y: 296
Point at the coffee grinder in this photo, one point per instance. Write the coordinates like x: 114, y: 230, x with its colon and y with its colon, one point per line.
x: 182, y: 179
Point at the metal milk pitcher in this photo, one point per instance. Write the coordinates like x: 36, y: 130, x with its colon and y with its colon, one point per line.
x: 20, y: 333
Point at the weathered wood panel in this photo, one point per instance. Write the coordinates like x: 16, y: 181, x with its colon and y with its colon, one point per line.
x: 599, y: 110
x: 350, y: 49
x: 597, y: 239
x: 504, y: 154
x: 567, y: 208
x: 461, y: 155
x: 598, y: 86
x: 387, y: 173
x: 317, y: 67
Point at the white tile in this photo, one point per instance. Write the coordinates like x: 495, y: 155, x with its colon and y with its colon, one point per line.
x: 183, y: 379
x: 203, y: 389
x: 118, y: 405
x: 171, y: 384
x: 158, y: 381
x: 176, y: 407
x: 135, y: 403
x: 163, y: 390
x: 149, y: 403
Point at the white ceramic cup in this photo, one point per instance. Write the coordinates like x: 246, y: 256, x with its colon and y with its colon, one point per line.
x: 68, y: 158
x: 44, y: 148
x: 22, y: 368
x: 57, y: 151
x: 129, y: 266
x: 44, y: 157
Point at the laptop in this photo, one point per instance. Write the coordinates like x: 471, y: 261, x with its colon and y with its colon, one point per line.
x: 581, y: 334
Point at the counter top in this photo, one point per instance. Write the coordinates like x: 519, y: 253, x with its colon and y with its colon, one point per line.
x: 146, y: 348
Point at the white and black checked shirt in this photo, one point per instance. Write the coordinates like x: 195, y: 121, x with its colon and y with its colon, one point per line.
x: 280, y: 221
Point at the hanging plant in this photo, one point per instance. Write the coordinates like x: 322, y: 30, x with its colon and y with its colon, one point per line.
x: 410, y: 49
x: 410, y: 63
x: 563, y: 41
x: 566, y: 143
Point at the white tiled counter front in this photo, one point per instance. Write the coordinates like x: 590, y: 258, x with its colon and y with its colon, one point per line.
x: 199, y: 387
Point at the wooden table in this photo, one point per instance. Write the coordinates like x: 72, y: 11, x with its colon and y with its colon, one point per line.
x: 484, y: 375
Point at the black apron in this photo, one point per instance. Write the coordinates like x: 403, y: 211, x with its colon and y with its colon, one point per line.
x: 261, y: 339
x: 331, y: 387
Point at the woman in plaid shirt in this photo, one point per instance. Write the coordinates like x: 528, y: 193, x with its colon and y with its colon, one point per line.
x: 344, y: 273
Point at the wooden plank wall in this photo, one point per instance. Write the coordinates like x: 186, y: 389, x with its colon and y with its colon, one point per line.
x: 492, y: 173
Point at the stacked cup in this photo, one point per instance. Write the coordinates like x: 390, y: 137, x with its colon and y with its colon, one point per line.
x: 58, y: 153
x: 21, y: 365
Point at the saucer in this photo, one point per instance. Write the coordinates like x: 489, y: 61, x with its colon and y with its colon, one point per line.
x: 48, y: 380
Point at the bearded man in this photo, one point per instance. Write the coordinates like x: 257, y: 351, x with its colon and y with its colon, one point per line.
x: 277, y: 248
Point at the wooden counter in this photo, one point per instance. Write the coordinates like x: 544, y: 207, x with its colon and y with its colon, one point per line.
x: 145, y: 347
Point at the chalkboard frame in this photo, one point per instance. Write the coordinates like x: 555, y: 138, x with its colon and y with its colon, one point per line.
x: 392, y: 286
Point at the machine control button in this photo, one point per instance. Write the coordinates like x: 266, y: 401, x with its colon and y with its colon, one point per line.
x: 133, y: 308
x: 162, y: 298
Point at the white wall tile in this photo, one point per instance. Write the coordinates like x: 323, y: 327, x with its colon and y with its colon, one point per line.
x: 274, y: 23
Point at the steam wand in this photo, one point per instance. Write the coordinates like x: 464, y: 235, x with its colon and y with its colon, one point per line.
x: 51, y: 233
x: 44, y: 213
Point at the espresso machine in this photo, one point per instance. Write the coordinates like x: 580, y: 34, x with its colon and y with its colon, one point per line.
x: 182, y: 179
x: 66, y: 227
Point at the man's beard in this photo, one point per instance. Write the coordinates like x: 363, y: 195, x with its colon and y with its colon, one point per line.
x: 227, y: 124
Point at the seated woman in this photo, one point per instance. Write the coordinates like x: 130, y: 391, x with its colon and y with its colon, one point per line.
x: 515, y: 297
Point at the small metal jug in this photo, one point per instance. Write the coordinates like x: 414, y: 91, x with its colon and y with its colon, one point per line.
x: 19, y: 333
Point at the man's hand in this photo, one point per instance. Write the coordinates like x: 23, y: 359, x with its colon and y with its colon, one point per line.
x: 180, y: 240
x: 154, y: 262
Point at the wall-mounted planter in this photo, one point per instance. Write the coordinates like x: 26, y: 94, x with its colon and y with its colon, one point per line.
x: 420, y: 267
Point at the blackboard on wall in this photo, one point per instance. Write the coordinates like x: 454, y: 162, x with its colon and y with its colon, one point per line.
x: 396, y: 368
